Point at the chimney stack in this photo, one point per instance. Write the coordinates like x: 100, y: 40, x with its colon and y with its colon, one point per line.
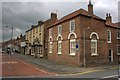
x: 32, y: 26
x: 53, y: 15
x: 40, y: 22
x: 90, y: 8
x: 108, y: 17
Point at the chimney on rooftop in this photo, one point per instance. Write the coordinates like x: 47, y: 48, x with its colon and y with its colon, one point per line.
x: 90, y: 8
x: 108, y: 17
x: 40, y: 22
x: 53, y: 15
x: 32, y: 26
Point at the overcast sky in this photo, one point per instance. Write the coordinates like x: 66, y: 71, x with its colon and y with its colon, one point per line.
x: 21, y: 14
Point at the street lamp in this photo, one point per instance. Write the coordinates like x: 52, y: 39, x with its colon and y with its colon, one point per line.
x: 84, y: 60
x: 11, y: 38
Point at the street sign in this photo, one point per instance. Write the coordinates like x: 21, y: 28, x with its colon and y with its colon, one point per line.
x: 77, y: 46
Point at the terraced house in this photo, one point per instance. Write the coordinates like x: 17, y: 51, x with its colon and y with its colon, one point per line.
x: 82, y: 38
x: 36, y: 37
x: 35, y: 40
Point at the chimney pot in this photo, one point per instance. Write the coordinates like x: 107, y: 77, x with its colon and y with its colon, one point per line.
x: 108, y: 18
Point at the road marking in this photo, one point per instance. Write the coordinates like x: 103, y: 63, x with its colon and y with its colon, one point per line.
x: 9, y: 62
x: 109, y: 76
x: 90, y: 71
x: 112, y: 76
x: 81, y: 73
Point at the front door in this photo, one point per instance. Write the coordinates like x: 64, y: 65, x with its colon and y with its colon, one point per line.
x: 110, y: 55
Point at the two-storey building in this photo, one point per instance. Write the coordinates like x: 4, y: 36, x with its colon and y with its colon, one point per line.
x: 82, y: 38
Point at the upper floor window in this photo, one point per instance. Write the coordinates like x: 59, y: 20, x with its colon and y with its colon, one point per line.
x: 118, y: 34
x: 50, y: 32
x: 39, y: 28
x: 36, y: 29
x: 59, y: 30
x: 108, y: 36
x: 72, y: 26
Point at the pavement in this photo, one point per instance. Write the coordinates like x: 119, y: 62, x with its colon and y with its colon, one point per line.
x: 62, y: 69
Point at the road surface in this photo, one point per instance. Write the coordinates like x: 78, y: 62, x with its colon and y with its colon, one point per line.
x: 13, y: 67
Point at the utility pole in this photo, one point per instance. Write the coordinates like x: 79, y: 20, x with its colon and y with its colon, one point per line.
x: 84, y: 60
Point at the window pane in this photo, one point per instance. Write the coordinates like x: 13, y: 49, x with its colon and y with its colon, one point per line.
x: 73, y: 47
x: 94, y: 47
x: 59, y: 47
x: 118, y: 33
x: 50, y: 47
x: 118, y: 49
x: 59, y: 29
x: 109, y: 35
x: 72, y: 25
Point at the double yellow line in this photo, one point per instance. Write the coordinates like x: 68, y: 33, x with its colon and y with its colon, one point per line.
x: 90, y: 71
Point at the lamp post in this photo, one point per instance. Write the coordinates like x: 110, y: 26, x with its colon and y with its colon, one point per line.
x: 11, y: 38
x: 84, y: 60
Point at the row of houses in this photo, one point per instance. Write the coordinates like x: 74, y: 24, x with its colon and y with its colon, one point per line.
x: 79, y: 38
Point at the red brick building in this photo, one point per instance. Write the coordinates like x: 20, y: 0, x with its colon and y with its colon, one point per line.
x: 82, y: 38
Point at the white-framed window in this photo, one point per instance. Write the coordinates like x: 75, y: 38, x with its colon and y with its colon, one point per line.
x: 72, y: 47
x: 118, y: 34
x: 93, y: 47
x: 50, y: 47
x: 59, y: 47
x: 59, y: 30
x: 50, y: 32
x: 72, y: 26
x: 108, y: 36
x: 118, y: 49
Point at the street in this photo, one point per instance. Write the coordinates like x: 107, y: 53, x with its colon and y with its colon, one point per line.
x: 15, y: 67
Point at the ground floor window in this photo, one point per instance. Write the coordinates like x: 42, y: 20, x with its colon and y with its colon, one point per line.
x: 93, y: 47
x: 118, y: 49
x: 72, y: 47
x: 50, y: 47
x: 59, y: 47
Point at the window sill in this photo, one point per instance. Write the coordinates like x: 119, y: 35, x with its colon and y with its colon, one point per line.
x: 109, y: 42
x: 59, y: 53
x: 72, y: 54
x: 118, y: 38
x: 94, y: 54
x: 118, y: 54
x: 50, y: 52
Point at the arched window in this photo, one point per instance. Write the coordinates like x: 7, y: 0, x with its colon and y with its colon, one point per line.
x: 50, y: 46
x: 59, y: 44
x: 108, y: 36
x: 94, y: 37
x: 72, y: 46
x: 72, y: 37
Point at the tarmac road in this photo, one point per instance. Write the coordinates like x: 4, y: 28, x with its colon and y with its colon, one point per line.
x: 13, y: 67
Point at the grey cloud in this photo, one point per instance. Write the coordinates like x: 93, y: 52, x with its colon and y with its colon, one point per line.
x: 24, y: 14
